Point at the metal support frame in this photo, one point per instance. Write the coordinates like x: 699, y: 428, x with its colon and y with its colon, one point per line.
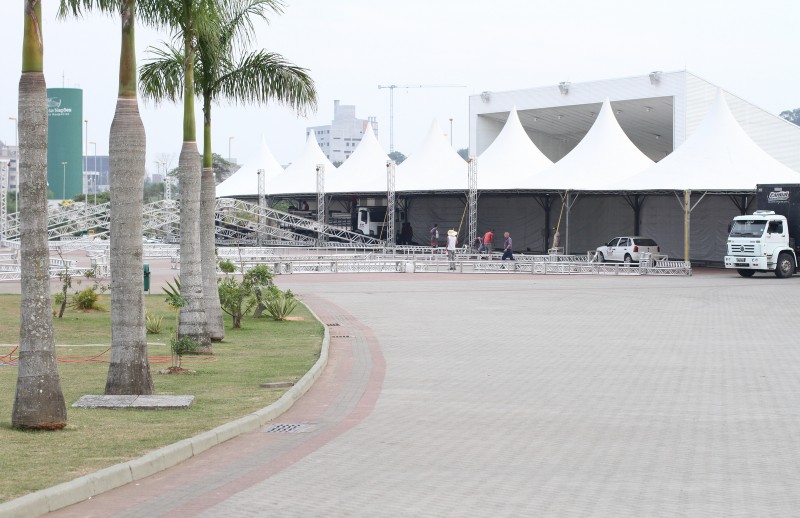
x: 390, y: 212
x: 472, y: 181
x: 686, y: 205
x: 321, y: 201
x: 569, y: 200
x: 167, y: 188
x: 3, y: 197
x: 262, y: 201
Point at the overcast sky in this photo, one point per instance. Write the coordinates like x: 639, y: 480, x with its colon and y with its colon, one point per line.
x: 352, y: 46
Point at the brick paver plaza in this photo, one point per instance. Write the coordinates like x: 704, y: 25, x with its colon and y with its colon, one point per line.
x: 520, y: 395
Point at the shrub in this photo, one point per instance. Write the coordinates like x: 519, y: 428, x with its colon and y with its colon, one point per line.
x: 85, y: 300
x: 236, y: 299
x: 280, y: 304
x: 227, y: 266
x: 180, y: 347
x: 153, y: 323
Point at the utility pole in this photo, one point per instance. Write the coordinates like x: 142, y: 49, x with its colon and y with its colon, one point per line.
x: 391, y: 104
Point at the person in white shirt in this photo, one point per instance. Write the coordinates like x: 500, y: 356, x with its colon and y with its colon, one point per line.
x: 451, y: 248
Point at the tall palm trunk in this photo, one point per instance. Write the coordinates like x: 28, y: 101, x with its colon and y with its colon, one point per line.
x: 129, y: 371
x: 208, y: 198
x: 38, y: 402
x: 192, y: 321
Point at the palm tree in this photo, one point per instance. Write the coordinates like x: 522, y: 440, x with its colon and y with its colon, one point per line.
x: 129, y: 370
x: 38, y: 401
x: 191, y: 19
x: 257, y: 76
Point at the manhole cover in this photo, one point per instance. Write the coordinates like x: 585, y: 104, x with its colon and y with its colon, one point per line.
x: 289, y: 428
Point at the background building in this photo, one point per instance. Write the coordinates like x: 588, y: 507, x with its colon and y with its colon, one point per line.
x: 339, y: 139
x: 64, y: 142
x: 657, y: 111
x: 11, y: 154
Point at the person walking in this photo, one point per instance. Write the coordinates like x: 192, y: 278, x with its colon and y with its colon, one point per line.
x: 488, y: 237
x: 435, y: 235
x: 451, y: 248
x: 508, y: 252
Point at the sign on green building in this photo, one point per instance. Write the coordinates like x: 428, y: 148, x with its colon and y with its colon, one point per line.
x: 64, y: 137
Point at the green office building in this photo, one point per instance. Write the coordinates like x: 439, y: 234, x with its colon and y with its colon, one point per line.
x: 64, y: 142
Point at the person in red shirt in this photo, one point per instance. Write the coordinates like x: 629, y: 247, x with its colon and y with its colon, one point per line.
x: 488, y: 237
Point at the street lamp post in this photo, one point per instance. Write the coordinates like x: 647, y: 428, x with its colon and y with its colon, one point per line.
x: 96, y: 172
x: 64, y: 183
x: 229, y: 148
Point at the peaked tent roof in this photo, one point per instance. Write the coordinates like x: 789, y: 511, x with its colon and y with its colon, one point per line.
x: 511, y: 161
x: 244, y: 182
x: 433, y: 167
x: 602, y: 158
x: 301, y: 176
x: 719, y: 155
x: 364, y: 171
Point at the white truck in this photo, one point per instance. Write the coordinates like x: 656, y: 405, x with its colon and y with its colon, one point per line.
x: 765, y: 241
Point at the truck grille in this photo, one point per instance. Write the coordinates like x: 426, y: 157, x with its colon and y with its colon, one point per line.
x: 746, y: 249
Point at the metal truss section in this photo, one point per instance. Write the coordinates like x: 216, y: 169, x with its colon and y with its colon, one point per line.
x: 472, y: 201
x: 390, y: 192
x: 320, y: 201
x: 4, y: 196
x: 288, y: 226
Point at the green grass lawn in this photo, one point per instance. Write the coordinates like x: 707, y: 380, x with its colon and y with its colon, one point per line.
x: 225, y: 386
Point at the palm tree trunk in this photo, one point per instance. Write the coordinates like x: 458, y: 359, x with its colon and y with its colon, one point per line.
x: 129, y: 371
x: 208, y: 198
x: 38, y: 401
x: 192, y: 321
x: 208, y: 192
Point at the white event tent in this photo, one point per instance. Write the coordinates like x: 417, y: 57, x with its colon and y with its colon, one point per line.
x: 244, y: 182
x: 301, y: 176
x: 434, y: 167
x: 604, y: 156
x: 719, y: 158
x: 511, y: 162
x: 364, y: 171
x: 607, y: 184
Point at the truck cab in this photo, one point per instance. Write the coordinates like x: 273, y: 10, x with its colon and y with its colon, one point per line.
x: 760, y: 242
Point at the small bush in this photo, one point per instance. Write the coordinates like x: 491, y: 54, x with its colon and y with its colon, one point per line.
x: 227, y: 266
x: 280, y: 304
x: 58, y: 298
x: 180, y: 347
x: 153, y: 323
x: 85, y: 300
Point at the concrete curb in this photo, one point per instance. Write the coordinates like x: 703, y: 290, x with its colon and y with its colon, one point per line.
x: 85, y: 487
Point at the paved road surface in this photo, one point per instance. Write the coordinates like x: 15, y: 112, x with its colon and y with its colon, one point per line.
x: 458, y: 395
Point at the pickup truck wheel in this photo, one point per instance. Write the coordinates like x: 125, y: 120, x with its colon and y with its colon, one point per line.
x: 746, y: 273
x: 785, y: 266
x: 628, y: 259
x: 600, y: 257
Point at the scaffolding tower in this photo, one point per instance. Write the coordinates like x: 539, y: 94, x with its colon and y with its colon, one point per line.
x: 390, y: 230
x: 262, y: 202
x: 4, y: 197
x: 472, y: 182
x: 320, y: 201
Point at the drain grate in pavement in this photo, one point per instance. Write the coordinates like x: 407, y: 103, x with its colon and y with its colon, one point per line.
x: 289, y: 428
x: 333, y: 324
x: 341, y: 336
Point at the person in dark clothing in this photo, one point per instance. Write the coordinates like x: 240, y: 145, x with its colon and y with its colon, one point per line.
x: 508, y: 252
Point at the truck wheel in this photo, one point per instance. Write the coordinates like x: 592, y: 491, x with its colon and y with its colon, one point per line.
x: 785, y: 266
x: 600, y: 257
x: 746, y: 273
x: 628, y: 259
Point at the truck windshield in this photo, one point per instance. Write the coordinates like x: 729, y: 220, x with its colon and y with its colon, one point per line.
x: 748, y: 228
